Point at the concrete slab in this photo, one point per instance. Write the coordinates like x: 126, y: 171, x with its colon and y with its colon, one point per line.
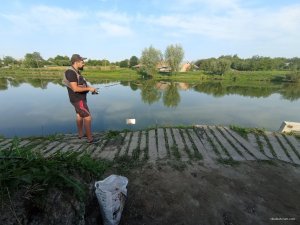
x: 143, y: 145
x: 56, y: 149
x: 180, y: 145
x: 50, y: 146
x: 205, y: 134
x: 242, y: 145
x: 124, y: 147
x: 134, y: 143
x: 161, y: 144
x: 296, y: 143
x: 206, y: 150
x: 152, y: 149
x: 24, y: 143
x: 71, y: 147
x: 5, y: 142
x: 277, y: 148
x: 188, y: 143
x: 96, y: 153
x: 232, y: 152
x: 289, y: 149
x: 169, y: 137
x: 6, y: 147
x: 41, y: 146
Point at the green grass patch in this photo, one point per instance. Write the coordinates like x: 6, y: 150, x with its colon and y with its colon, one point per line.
x: 21, y: 167
x: 245, y: 131
x: 123, y: 164
x: 229, y: 162
x: 175, y: 152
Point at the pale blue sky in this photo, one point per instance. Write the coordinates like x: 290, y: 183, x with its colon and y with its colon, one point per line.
x: 118, y: 29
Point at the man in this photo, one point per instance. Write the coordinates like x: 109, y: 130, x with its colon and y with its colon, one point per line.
x: 77, y: 89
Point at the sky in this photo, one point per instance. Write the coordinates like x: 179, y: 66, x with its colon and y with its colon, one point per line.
x: 118, y: 29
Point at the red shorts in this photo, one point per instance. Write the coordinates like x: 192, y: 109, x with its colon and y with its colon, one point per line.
x: 81, y: 108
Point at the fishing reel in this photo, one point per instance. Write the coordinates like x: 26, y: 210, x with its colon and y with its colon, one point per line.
x: 96, y: 91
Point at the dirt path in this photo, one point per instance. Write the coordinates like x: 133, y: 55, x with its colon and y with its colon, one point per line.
x: 251, y: 193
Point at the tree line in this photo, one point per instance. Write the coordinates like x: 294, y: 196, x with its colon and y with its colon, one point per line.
x: 35, y: 60
x: 256, y: 63
x: 151, y: 59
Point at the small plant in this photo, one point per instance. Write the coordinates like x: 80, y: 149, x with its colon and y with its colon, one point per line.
x: 244, y: 131
x: 229, y: 162
x: 21, y: 167
x: 175, y: 151
x: 111, y: 134
x: 124, y: 164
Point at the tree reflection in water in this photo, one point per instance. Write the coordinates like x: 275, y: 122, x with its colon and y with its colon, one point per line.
x: 171, y: 96
x: 153, y: 90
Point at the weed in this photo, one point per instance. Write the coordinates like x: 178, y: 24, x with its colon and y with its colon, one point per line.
x: 21, y: 167
x: 112, y: 134
x: 175, y: 151
x: 229, y: 162
x: 244, y: 131
x: 124, y: 164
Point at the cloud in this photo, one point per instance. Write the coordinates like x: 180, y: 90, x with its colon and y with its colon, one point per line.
x: 238, y: 24
x: 114, y: 16
x: 115, y: 23
x: 43, y: 18
x: 112, y: 29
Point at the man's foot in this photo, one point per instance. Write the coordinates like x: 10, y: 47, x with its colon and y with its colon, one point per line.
x: 93, y: 141
x: 80, y: 137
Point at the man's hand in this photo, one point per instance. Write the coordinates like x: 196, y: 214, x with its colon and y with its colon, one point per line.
x: 92, y: 89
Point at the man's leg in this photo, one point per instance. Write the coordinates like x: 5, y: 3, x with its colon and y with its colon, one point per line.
x: 79, y: 122
x: 87, y: 127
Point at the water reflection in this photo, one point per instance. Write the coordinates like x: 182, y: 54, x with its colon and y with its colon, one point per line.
x: 152, y: 91
x: 41, y: 106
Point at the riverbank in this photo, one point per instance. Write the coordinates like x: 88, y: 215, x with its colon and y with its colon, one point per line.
x: 126, y: 74
x: 203, y: 174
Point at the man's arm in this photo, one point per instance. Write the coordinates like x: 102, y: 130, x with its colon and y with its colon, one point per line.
x: 76, y: 88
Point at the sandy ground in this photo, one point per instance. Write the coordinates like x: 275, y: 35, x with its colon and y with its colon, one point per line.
x: 248, y: 193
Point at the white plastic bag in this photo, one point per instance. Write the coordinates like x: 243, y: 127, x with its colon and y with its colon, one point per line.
x: 111, y: 194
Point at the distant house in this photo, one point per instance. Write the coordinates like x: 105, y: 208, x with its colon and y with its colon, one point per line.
x: 138, y: 66
x: 185, y: 67
x: 188, y: 66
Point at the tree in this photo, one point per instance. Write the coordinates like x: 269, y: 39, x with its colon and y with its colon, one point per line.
x: 174, y: 56
x: 222, y: 65
x: 124, y: 63
x: 33, y: 60
x: 133, y: 61
x: 9, y: 61
x: 149, y: 59
x: 61, y: 60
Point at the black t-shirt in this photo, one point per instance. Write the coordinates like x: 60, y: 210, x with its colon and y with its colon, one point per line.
x: 71, y: 76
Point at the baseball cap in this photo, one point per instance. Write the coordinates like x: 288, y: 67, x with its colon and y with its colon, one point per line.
x: 76, y: 57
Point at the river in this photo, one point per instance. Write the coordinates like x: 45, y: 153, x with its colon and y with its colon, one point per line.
x: 33, y: 107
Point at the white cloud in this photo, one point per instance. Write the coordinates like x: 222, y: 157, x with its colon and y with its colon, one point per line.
x: 113, y: 16
x: 239, y: 24
x: 112, y: 29
x: 43, y: 18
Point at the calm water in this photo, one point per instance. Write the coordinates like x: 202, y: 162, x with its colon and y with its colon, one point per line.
x: 40, y: 107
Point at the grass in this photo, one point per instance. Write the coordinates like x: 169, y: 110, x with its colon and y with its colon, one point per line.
x: 229, y: 162
x: 21, y: 167
x: 244, y: 131
x: 125, y: 74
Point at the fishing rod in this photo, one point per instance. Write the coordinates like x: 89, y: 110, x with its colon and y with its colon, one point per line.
x: 97, y: 89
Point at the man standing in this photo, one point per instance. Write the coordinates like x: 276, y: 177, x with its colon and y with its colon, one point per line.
x: 77, y: 89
